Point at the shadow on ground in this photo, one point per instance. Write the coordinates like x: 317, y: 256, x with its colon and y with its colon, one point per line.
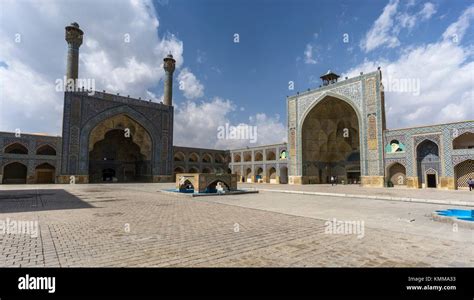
x: 39, y: 200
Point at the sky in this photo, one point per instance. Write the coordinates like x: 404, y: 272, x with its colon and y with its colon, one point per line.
x: 237, y: 60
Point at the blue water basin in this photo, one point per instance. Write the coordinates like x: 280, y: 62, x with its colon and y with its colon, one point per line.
x: 461, y: 214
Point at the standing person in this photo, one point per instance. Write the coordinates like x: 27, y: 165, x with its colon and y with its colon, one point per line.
x: 470, y: 183
x: 332, y: 180
x: 335, y: 179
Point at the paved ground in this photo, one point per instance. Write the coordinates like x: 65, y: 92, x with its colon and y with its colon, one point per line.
x: 463, y: 195
x: 134, y: 225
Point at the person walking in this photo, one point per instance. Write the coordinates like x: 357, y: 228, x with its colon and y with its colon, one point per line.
x: 470, y: 183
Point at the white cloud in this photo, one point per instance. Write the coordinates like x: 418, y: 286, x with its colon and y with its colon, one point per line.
x: 380, y: 33
x: 387, y: 27
x: 444, y: 71
x: 190, y: 85
x: 456, y: 30
x: 308, y: 55
x: 132, y: 68
x: 197, y: 125
x: 427, y: 11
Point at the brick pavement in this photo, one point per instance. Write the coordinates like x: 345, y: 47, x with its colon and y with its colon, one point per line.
x: 128, y: 226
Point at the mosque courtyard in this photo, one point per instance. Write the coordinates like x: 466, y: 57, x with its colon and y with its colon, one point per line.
x: 136, y: 225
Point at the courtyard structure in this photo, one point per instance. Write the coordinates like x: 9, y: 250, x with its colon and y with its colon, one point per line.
x: 336, y: 130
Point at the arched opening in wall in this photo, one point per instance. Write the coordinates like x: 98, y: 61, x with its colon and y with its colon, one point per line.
x: 229, y: 171
x: 193, y: 157
x: 248, y: 175
x: 463, y: 171
x: 193, y: 170
x: 186, y: 187
x: 16, y: 148
x: 271, y: 155
x: 121, y: 144
x: 236, y: 158
x: 397, y: 175
x: 14, y: 173
x: 330, y: 133
x: 206, y: 158
x: 272, y: 175
x: 247, y: 157
x: 207, y: 170
x: 219, y: 159
x: 428, y: 163
x: 44, y: 173
x: 46, y: 150
x: 284, y: 175
x: 259, y: 175
x: 178, y: 170
x: 178, y: 156
x: 212, y: 187
x: 122, y: 154
x: 464, y: 141
x: 258, y: 156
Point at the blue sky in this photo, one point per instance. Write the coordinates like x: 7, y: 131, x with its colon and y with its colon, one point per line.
x: 273, y: 35
x: 245, y: 82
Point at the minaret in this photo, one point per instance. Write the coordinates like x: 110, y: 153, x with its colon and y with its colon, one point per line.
x: 74, y: 41
x: 168, y: 64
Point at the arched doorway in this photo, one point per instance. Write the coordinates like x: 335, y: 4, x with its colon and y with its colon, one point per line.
x: 248, y: 175
x: 259, y: 175
x: 397, y: 175
x: 116, y: 158
x: 120, y: 150
x: 272, y: 175
x: 258, y: 156
x: 462, y: 172
x: 330, y: 134
x: 14, y: 173
x: 428, y: 164
x: 212, y: 187
x: 44, y: 173
x: 284, y: 175
x: 186, y: 187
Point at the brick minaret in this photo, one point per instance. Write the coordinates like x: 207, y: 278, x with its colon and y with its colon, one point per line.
x: 74, y: 41
x: 169, y: 65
